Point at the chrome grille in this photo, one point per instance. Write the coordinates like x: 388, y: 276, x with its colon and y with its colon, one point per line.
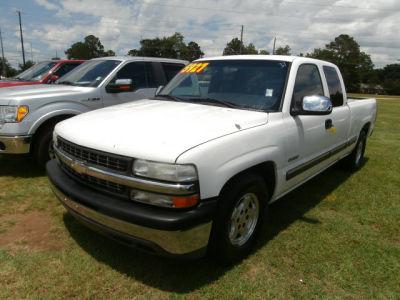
x: 94, y: 157
x: 97, y: 183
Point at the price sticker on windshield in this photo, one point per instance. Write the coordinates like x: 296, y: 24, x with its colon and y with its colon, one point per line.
x: 194, y: 68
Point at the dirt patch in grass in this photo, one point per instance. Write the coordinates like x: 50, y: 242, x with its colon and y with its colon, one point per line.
x: 31, y: 231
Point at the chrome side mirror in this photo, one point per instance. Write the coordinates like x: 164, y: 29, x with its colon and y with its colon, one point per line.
x: 120, y: 86
x: 314, y: 105
x: 123, y: 82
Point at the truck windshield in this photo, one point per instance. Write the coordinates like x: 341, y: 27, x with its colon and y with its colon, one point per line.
x: 36, y: 72
x: 90, y: 73
x: 242, y: 84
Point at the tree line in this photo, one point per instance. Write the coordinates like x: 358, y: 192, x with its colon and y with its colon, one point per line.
x: 356, y: 66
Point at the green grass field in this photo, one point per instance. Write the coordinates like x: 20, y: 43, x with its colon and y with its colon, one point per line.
x: 335, y: 237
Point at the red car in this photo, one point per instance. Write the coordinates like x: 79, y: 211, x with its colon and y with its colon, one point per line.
x: 43, y: 72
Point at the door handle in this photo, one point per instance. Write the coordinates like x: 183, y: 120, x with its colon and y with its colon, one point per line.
x: 328, y: 124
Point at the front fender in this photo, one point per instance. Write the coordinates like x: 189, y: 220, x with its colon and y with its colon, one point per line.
x: 245, y: 161
x: 220, y: 160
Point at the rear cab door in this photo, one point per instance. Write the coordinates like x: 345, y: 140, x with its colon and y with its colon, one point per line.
x: 340, y: 117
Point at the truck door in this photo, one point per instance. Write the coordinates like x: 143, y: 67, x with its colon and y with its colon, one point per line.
x: 340, y: 116
x: 307, y: 138
x: 143, y: 82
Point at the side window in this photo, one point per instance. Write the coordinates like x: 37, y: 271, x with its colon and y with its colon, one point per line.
x: 64, y: 69
x: 308, y: 83
x: 335, y: 88
x: 135, y: 71
x: 171, y: 69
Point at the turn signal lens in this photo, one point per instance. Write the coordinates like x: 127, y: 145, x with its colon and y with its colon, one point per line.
x: 164, y: 200
x: 23, y: 110
x: 188, y: 201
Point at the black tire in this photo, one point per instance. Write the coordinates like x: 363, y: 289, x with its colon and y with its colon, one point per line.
x: 43, y: 144
x: 355, y: 159
x: 221, y: 246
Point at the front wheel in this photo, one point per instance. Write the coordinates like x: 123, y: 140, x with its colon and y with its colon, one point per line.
x: 241, y: 212
x: 43, y: 147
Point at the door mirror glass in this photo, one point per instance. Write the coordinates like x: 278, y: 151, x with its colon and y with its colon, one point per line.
x: 316, y: 105
x: 159, y: 89
x: 120, y: 86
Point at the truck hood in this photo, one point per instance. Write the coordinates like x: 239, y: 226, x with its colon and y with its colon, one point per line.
x: 40, y: 91
x: 155, y: 130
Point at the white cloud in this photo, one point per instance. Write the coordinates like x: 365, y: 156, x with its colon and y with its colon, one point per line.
x: 47, y: 4
x: 120, y: 24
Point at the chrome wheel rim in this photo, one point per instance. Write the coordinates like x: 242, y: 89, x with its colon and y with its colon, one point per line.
x: 359, y: 151
x: 244, y: 219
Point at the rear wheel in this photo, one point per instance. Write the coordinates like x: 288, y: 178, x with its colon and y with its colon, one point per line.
x: 241, y: 212
x: 356, y: 158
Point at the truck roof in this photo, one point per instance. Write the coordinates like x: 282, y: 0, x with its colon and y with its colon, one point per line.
x: 286, y: 58
x: 62, y: 60
x: 141, y: 58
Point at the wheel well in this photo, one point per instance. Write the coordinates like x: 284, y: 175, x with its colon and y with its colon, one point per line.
x: 266, y: 170
x: 366, y: 127
x: 46, y: 124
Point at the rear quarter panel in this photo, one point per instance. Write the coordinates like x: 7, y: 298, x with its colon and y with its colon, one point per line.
x: 362, y: 112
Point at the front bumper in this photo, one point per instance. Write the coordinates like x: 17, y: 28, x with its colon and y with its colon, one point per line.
x: 157, y: 230
x: 15, y: 144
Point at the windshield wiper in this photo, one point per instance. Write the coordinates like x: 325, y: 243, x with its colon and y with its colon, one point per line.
x: 174, y: 98
x: 215, y: 101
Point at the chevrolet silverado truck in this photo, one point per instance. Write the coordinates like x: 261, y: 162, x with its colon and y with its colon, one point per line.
x: 42, y: 72
x: 28, y: 114
x: 195, y: 167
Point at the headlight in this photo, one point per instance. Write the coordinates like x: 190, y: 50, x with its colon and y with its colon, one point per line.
x: 13, y: 114
x: 163, y: 171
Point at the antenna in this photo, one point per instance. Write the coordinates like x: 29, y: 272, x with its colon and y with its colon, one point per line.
x: 3, y: 61
x: 241, y: 40
x: 273, y: 49
x: 22, y: 38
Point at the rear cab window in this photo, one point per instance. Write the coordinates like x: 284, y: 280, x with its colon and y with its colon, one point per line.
x: 171, y: 69
x: 334, y: 86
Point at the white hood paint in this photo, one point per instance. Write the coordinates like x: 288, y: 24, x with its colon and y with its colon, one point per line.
x: 155, y: 130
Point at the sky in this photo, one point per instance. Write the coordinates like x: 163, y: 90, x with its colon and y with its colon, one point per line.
x: 51, y: 26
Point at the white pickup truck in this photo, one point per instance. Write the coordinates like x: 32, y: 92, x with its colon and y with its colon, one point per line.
x: 195, y: 167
